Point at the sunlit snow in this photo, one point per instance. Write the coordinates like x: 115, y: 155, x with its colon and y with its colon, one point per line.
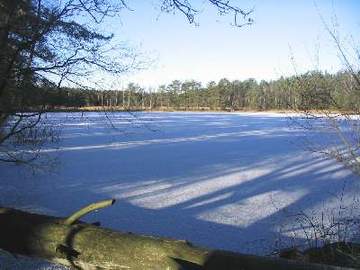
x: 220, y: 180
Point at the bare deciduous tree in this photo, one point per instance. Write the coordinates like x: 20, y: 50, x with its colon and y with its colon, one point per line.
x: 46, y: 44
x: 339, y: 127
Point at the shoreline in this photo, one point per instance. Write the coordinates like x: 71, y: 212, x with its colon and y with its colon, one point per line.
x: 117, y: 109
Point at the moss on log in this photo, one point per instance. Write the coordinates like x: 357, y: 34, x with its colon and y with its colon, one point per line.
x: 84, y: 246
x: 87, y: 209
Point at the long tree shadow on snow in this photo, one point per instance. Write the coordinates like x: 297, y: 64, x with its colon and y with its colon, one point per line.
x: 224, y: 191
x: 182, y: 220
x: 159, y: 212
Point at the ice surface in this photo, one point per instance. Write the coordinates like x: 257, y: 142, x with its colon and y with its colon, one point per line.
x: 221, y: 180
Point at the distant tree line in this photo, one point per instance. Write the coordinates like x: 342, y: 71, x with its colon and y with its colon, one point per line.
x: 310, y: 91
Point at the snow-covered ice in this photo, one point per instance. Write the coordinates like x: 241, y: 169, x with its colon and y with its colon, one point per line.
x: 220, y: 180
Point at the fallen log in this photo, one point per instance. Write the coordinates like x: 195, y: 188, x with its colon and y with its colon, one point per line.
x: 85, y: 246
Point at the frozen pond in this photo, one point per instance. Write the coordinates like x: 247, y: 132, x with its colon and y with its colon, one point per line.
x: 219, y: 180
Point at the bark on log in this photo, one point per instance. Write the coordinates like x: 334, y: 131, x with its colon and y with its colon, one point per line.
x: 84, y: 246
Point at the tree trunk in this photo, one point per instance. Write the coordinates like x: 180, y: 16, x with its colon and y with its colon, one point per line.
x: 85, y: 246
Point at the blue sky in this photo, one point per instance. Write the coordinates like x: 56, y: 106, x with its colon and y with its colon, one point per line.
x: 215, y: 49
